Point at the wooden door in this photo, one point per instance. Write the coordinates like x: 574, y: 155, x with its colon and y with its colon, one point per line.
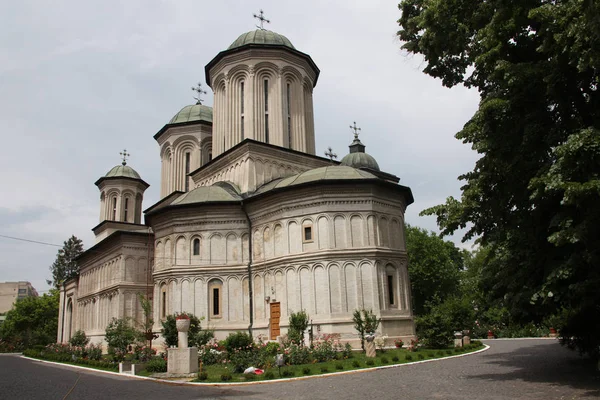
x: 275, y: 315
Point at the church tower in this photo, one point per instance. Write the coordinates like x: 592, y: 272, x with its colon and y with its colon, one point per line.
x: 121, y: 195
x: 263, y: 91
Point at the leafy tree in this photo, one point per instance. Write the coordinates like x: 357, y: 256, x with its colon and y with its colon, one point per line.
x: 32, y: 321
x: 196, y: 335
x: 79, y: 339
x: 120, y: 334
x: 298, y: 324
x: 65, y: 267
x: 365, y: 322
x: 532, y: 197
x: 433, y: 265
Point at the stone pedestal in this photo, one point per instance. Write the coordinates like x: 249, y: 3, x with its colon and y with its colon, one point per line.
x: 466, y: 340
x: 458, y: 339
x: 182, y: 361
x: 370, y: 346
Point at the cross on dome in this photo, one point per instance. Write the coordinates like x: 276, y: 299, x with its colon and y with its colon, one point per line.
x: 200, y: 92
x: 329, y: 153
x: 262, y: 20
x: 124, y: 154
x: 355, y: 129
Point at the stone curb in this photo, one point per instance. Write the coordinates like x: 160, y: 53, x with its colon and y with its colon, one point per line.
x: 486, y: 347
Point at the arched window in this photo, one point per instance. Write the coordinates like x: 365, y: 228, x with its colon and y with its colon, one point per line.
x: 126, y: 209
x: 215, y: 288
x: 242, y: 108
x: 187, y: 171
x: 266, y: 95
x: 392, y: 286
x: 163, y: 302
x: 289, y: 116
x: 114, y: 206
x: 196, y: 247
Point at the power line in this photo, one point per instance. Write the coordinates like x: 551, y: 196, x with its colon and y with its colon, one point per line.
x: 31, y: 241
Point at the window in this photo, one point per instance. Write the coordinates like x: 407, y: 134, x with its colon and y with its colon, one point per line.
x: 22, y: 291
x: 196, y: 247
x: 214, y: 298
x: 114, y: 214
x: 289, y: 117
x: 242, y: 108
x: 163, y: 304
x: 126, y: 208
x: 307, y: 237
x: 209, y: 156
x: 187, y: 171
x: 391, y: 294
x: 266, y: 94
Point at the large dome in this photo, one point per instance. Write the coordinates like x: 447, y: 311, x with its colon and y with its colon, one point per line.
x: 191, y: 113
x: 122, y: 171
x: 261, y: 36
x: 360, y: 160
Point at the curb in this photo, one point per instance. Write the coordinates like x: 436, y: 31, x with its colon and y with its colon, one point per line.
x: 299, y: 378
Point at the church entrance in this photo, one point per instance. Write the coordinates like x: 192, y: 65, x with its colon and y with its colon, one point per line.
x: 275, y: 315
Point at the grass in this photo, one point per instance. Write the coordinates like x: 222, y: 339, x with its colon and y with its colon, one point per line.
x: 357, y: 362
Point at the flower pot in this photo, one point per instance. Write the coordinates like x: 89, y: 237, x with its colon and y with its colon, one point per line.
x: 183, y: 324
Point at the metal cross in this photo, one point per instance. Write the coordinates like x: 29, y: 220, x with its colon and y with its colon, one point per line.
x: 200, y: 92
x: 125, y: 154
x: 262, y: 19
x: 355, y: 129
x: 329, y: 153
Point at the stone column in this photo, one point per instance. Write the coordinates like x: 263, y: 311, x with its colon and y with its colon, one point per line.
x: 370, y: 346
x: 183, y: 326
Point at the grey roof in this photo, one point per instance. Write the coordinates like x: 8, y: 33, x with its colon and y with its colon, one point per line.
x: 207, y: 194
x: 122, y: 171
x: 261, y: 36
x: 360, y: 160
x: 195, y: 112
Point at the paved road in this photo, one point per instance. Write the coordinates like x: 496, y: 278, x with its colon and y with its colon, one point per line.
x: 511, y: 369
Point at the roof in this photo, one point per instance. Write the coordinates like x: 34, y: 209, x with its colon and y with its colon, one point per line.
x: 261, y: 36
x: 122, y: 171
x: 195, y: 112
x: 219, y: 192
x: 360, y: 160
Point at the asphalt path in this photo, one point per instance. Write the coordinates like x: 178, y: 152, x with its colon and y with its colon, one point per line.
x: 510, y: 369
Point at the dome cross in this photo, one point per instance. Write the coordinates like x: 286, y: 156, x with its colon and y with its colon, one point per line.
x: 200, y: 92
x: 355, y: 129
x: 262, y: 20
x: 329, y: 153
x: 124, y: 154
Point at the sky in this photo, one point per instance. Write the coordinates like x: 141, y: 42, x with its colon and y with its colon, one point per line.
x: 82, y: 80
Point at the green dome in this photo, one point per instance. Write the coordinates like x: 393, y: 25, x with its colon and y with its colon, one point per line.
x: 196, y: 112
x: 360, y: 160
x: 261, y: 36
x: 207, y: 194
x: 122, y: 171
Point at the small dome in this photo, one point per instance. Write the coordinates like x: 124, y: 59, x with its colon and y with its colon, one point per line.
x: 196, y: 112
x: 123, y: 171
x: 261, y: 36
x: 360, y: 160
x: 208, y: 194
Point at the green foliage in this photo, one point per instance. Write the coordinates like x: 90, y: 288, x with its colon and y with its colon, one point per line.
x: 32, y: 321
x: 298, y: 324
x: 288, y: 373
x: 370, y: 362
x: 306, y: 371
x: 384, y: 360
x: 339, y: 366
x: 433, y: 265
x: 197, y: 336
x: 202, y: 376
x: 365, y: 322
x: 269, y: 375
x: 226, y: 377
x: 408, y: 357
x: 238, y: 341
x: 79, y: 339
x: 436, y: 328
x: 355, y: 364
x: 156, y: 364
x: 532, y: 197
x: 65, y: 267
x: 120, y: 334
x: 324, y: 370
x: 395, y: 359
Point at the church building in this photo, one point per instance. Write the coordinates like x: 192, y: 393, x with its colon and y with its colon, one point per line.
x: 252, y: 225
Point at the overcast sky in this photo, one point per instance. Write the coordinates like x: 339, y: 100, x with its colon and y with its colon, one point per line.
x: 82, y: 80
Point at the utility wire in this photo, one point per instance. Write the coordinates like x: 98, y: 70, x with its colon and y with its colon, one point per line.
x: 31, y: 241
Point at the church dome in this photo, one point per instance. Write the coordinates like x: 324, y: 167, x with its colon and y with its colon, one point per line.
x: 191, y: 113
x: 122, y: 171
x: 261, y: 36
x: 209, y: 194
x: 360, y: 160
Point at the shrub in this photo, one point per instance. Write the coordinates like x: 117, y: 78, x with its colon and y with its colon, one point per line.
x: 355, y: 364
x: 448, y: 352
x: 384, y: 360
x: 119, y: 335
x: 365, y: 321
x: 324, y: 370
x: 306, y: 371
x: 440, y: 353
x: 94, y: 351
x: 431, y: 354
x: 79, y: 339
x: 157, y: 364
x: 298, y: 354
x: 241, y: 359
x: 458, y: 349
x: 226, y: 377
x: 202, y: 376
x: 323, y: 350
x: 408, y: 357
x: 398, y: 343
x: 395, y: 359
x: 421, y: 356
x: 339, y: 366
x: 347, y: 352
x: 288, y: 373
x: 269, y: 375
x: 298, y: 324
x: 143, y: 353
x: 238, y: 341
x: 370, y: 363
x: 196, y: 335
x: 210, y: 354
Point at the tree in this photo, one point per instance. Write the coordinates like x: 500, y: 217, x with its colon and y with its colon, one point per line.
x: 65, y: 267
x: 532, y: 197
x: 433, y: 266
x: 298, y: 324
x: 365, y: 322
x: 196, y: 335
x: 120, y: 334
x: 32, y: 321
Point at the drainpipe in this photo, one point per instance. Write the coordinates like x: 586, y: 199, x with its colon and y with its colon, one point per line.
x: 250, y: 291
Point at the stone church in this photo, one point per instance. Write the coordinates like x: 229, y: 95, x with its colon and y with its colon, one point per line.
x: 252, y: 225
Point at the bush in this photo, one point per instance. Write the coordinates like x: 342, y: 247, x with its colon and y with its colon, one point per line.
x: 440, y: 353
x: 241, y: 359
x: 210, y: 354
x: 298, y: 354
x: 365, y: 321
x: 156, y: 364
x: 384, y: 360
x: 306, y: 371
x: 288, y: 373
x: 323, y: 350
x: 448, y: 352
x: 370, y: 363
x: 79, y: 339
x: 238, y: 341
x: 431, y: 354
x: 94, y: 351
x: 119, y: 335
x: 298, y: 324
x: 226, y: 377
x: 269, y: 375
x: 202, y: 376
x: 395, y: 359
x: 196, y: 336
x: 250, y: 377
x: 421, y: 356
x: 408, y: 357
x: 324, y: 370
x: 339, y: 366
x: 347, y: 352
x: 355, y: 364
